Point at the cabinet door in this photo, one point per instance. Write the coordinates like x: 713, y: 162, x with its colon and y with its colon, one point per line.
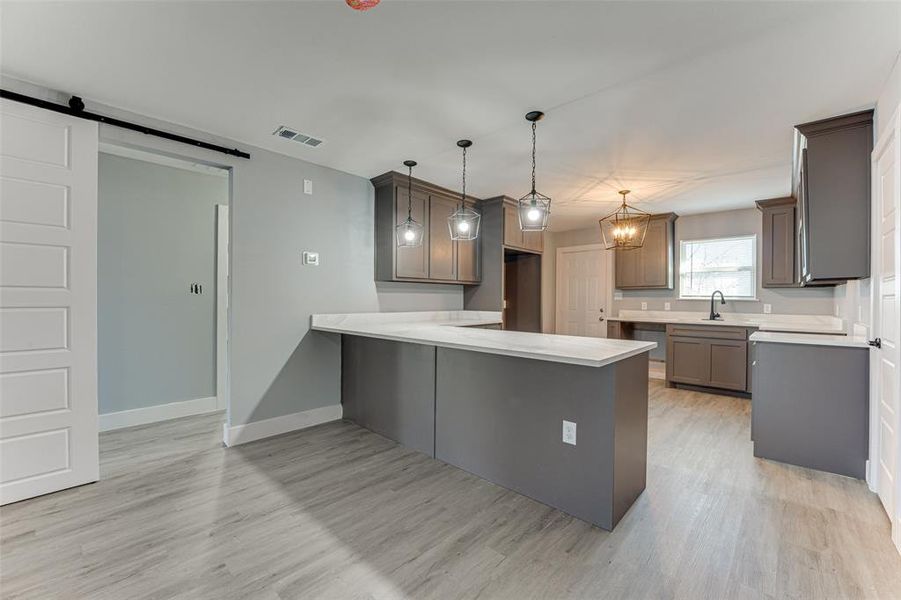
x: 412, y: 262
x: 442, y: 249
x: 468, y: 260
x: 614, y: 330
x: 688, y: 360
x: 533, y: 240
x: 626, y: 269
x: 729, y: 364
x: 653, y: 255
x: 778, y: 246
x: 512, y: 232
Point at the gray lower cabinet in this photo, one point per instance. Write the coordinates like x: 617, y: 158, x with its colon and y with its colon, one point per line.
x: 439, y: 259
x: 810, y: 406
x: 708, y: 356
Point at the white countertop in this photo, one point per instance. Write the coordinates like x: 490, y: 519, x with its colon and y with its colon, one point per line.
x: 455, y: 329
x: 810, y: 339
x: 771, y: 322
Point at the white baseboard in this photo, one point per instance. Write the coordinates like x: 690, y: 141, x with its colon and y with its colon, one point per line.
x: 161, y: 412
x: 241, y: 434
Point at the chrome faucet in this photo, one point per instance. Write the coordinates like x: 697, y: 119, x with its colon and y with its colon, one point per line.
x: 713, y: 314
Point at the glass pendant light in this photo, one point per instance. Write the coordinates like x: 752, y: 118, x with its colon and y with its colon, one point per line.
x: 534, y: 208
x: 625, y: 228
x: 464, y: 223
x: 409, y: 233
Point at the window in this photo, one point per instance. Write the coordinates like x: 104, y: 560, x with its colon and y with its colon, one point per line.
x: 725, y: 264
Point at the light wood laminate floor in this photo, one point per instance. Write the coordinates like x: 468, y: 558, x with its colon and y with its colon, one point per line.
x: 338, y: 512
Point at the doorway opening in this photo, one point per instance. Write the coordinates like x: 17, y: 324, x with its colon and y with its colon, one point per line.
x: 162, y: 304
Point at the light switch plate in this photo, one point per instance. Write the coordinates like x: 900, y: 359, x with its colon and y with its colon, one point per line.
x: 666, y: 306
x: 767, y: 309
x: 569, y: 432
x: 311, y: 258
x: 308, y: 187
x: 644, y: 306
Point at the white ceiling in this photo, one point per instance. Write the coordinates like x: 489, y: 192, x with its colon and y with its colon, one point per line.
x: 691, y: 105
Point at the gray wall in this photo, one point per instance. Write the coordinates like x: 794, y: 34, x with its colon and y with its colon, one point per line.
x: 156, y: 235
x: 278, y: 366
x: 699, y: 226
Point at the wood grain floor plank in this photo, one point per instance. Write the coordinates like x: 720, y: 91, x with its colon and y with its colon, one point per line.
x: 338, y: 512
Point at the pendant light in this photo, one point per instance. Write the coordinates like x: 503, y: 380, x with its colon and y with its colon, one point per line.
x: 625, y: 228
x: 409, y: 233
x: 534, y: 208
x: 464, y: 223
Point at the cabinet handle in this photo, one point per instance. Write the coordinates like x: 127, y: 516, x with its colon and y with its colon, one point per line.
x: 753, y: 363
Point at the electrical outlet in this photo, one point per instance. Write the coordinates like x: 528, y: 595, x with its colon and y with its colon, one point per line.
x: 644, y: 306
x: 569, y: 432
x: 308, y: 187
x: 666, y: 306
x: 311, y: 258
x: 767, y: 309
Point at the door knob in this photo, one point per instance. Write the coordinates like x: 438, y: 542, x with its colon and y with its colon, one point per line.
x: 877, y: 343
x: 600, y: 318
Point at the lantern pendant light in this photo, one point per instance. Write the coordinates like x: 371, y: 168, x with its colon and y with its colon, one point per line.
x: 534, y: 208
x: 464, y: 223
x: 409, y: 233
x: 625, y: 228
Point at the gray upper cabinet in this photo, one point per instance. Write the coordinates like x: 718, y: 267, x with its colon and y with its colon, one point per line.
x: 516, y: 238
x: 778, y: 266
x: 439, y: 259
x: 412, y: 262
x: 832, y: 185
x: 442, y: 249
x: 650, y: 267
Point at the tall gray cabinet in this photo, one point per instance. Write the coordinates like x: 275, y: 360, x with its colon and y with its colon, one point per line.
x: 832, y: 185
x: 439, y: 259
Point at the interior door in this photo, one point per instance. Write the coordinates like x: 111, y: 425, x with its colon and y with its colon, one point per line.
x: 48, y: 302
x: 582, y: 292
x: 884, y: 361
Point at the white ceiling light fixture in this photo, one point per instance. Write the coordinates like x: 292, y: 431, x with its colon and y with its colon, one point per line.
x: 534, y: 208
x: 409, y: 233
x: 464, y: 223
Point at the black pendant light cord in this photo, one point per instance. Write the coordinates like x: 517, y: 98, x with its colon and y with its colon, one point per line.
x: 534, y: 127
x: 464, y: 175
x: 410, y: 193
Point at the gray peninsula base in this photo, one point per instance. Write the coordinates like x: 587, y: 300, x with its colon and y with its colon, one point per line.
x: 501, y: 418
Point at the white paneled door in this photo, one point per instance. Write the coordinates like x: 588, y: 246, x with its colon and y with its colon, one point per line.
x: 582, y: 291
x: 886, y: 383
x: 48, y: 302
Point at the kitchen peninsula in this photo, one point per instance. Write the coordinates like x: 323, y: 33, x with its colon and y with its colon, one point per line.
x: 495, y: 403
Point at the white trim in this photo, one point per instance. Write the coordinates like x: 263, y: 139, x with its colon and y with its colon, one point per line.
x: 241, y: 434
x: 161, y: 159
x: 154, y: 414
x: 222, y: 306
x: 609, y: 283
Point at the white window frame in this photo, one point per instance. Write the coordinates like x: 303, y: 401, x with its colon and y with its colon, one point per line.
x: 749, y: 236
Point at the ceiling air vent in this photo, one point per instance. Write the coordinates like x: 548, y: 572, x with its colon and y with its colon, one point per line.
x: 300, y: 138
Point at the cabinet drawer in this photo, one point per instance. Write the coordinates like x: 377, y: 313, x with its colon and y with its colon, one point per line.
x: 708, y: 331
